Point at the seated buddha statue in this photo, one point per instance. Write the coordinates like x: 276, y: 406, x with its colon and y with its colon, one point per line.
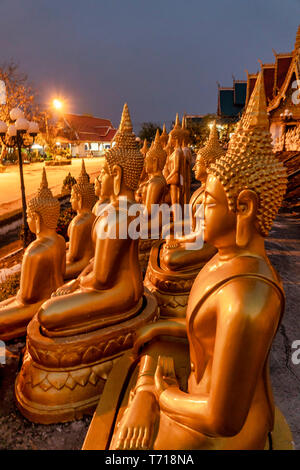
x: 88, y: 323
x: 43, y: 265
x: 80, y: 247
x: 154, y: 164
x: 140, y: 192
x: 105, y: 295
x: 176, y: 254
x: 175, y: 262
x: 234, y: 310
x: 164, y: 137
x: 153, y: 193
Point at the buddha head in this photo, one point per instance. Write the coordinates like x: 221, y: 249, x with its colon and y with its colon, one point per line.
x: 176, y: 133
x: 43, y: 209
x: 156, y: 156
x: 83, y: 192
x: 245, y: 187
x: 208, y: 154
x: 185, y: 133
x: 164, y: 137
x: 169, y: 148
x: 124, y: 161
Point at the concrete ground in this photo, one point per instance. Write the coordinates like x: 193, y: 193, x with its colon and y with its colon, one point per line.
x: 283, y: 247
x: 10, y: 196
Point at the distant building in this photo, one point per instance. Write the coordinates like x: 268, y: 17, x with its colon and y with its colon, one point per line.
x: 84, y: 134
x: 231, y: 100
x: 283, y: 104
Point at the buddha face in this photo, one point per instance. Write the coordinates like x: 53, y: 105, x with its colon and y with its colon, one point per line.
x: 75, y: 200
x: 219, y: 220
x: 200, y: 169
x: 97, y: 187
x: 106, y: 182
x: 31, y: 220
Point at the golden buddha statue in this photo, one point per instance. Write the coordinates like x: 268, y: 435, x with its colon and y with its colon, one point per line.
x: 140, y: 192
x: 164, y: 137
x: 88, y: 323
x: 80, y: 247
x: 234, y: 310
x: 43, y: 265
x: 101, y: 199
x: 154, y: 191
x: 187, y: 162
x: 154, y: 164
x: 174, y: 263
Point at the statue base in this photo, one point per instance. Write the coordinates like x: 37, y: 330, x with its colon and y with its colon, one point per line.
x: 171, y: 288
x: 62, y: 378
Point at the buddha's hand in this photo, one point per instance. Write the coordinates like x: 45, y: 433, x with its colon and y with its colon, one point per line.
x: 136, y: 429
x: 66, y: 288
x: 165, y: 376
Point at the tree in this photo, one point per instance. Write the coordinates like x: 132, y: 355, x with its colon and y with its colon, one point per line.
x: 19, y: 93
x: 148, y: 131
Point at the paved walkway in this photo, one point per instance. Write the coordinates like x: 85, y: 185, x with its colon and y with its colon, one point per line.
x: 283, y: 248
x: 10, y: 192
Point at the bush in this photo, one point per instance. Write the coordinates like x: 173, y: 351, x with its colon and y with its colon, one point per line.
x: 65, y: 218
x: 10, y: 287
x: 68, y: 182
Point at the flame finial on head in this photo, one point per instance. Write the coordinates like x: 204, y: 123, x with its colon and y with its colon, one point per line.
x: 212, y: 150
x: 45, y: 204
x: 84, y: 188
x: 126, y: 152
x: 157, y: 152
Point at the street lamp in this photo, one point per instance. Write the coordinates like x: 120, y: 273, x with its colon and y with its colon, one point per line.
x: 20, y: 133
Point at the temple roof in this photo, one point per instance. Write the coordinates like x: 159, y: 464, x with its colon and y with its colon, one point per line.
x: 277, y: 75
x: 231, y: 100
x: 86, y: 128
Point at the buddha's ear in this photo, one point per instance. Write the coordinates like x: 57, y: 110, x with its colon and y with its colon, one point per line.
x: 246, y: 214
x: 117, y: 175
x: 38, y: 222
x: 79, y: 201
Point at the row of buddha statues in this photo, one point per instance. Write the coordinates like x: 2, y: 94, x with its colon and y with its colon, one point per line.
x: 197, y: 330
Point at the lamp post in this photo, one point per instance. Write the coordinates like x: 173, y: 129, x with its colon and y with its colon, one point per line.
x: 19, y: 133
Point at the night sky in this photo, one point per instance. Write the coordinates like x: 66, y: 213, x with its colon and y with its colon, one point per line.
x: 162, y: 57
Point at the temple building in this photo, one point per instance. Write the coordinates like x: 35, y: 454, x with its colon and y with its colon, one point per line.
x: 231, y: 100
x: 283, y: 100
x: 85, y: 135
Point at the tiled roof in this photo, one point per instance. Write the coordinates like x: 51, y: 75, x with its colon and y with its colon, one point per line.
x: 88, y: 128
x: 269, y: 77
x: 282, y: 66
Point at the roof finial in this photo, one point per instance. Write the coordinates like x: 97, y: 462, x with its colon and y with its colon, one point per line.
x: 177, y: 123
x: 183, y: 124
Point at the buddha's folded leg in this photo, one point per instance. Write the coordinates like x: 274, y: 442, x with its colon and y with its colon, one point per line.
x: 15, y: 318
x: 79, y: 308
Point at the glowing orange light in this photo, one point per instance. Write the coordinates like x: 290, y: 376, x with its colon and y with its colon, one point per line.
x: 57, y: 104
